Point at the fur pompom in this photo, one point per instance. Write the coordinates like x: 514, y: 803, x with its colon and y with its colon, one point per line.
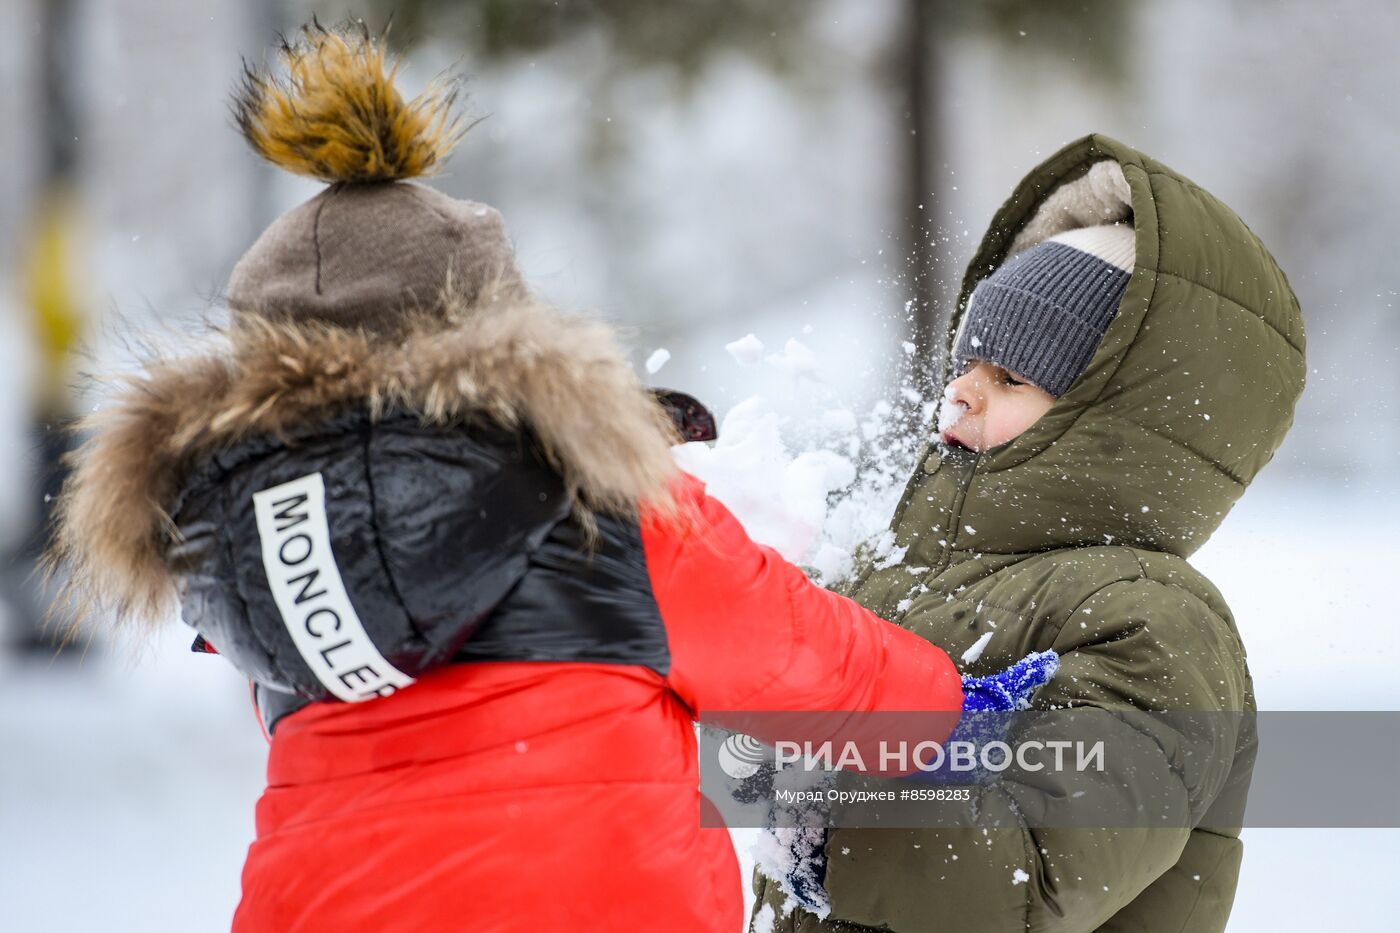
x: 336, y: 115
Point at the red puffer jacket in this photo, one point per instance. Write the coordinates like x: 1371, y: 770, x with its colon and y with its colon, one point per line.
x: 562, y: 795
x: 479, y: 670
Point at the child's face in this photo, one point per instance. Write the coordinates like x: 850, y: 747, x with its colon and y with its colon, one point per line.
x: 988, y: 405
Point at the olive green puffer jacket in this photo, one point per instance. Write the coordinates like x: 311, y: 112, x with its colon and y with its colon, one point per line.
x: 1074, y: 537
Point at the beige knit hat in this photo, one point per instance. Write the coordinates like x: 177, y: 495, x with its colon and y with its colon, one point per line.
x: 372, y: 247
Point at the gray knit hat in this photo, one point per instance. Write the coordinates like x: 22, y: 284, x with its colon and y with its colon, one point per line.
x: 1043, y: 312
x: 374, y: 245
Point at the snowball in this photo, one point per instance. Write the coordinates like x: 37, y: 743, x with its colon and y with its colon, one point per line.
x: 658, y: 360
x: 781, y: 499
x: 747, y: 350
x: 817, y: 490
x: 1019, y: 876
x: 832, y: 563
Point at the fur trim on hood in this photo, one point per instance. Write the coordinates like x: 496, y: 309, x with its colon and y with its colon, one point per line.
x: 518, y: 363
x: 1101, y: 196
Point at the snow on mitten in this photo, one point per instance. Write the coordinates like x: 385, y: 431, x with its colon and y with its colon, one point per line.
x: 989, y: 705
x: 1011, y: 689
x: 795, y: 858
x: 794, y: 855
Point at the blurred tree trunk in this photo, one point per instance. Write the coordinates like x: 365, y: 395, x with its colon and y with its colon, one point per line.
x: 57, y: 37
x: 918, y: 71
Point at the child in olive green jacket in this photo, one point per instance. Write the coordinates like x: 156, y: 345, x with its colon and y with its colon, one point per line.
x: 1126, y: 358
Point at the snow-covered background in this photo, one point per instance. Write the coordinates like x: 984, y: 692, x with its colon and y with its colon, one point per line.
x: 755, y: 202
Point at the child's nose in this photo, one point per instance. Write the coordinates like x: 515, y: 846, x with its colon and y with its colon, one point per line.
x: 967, y: 390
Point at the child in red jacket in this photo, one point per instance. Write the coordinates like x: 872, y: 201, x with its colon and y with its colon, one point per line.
x: 437, y: 524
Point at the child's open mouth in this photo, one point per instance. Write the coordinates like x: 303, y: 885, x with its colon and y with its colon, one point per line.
x: 951, y: 440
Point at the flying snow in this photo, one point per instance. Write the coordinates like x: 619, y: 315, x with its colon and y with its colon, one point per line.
x: 816, y: 487
x: 747, y: 350
x: 658, y: 360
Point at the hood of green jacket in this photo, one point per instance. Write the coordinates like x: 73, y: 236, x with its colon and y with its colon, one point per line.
x: 1188, y: 397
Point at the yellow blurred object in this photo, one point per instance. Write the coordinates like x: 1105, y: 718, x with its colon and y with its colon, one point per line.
x: 49, y: 272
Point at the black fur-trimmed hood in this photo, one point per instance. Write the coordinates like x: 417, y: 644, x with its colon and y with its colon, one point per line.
x: 520, y: 364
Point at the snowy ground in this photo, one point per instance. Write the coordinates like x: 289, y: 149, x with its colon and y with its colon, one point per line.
x: 127, y: 785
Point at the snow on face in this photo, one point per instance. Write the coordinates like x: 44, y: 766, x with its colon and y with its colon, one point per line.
x: 950, y: 411
x: 989, y: 405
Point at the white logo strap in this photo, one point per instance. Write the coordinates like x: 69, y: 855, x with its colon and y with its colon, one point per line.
x: 310, y: 594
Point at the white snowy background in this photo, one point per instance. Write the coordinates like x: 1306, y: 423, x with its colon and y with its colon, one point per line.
x: 128, y: 775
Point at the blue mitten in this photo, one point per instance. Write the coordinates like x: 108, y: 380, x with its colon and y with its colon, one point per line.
x: 989, y: 705
x: 1011, y: 689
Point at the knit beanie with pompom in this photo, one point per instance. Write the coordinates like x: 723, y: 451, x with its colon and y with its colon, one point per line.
x: 374, y: 248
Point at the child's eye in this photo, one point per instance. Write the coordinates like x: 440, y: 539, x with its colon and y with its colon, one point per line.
x: 1011, y: 380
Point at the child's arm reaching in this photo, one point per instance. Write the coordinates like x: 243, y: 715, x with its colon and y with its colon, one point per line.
x: 749, y: 631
